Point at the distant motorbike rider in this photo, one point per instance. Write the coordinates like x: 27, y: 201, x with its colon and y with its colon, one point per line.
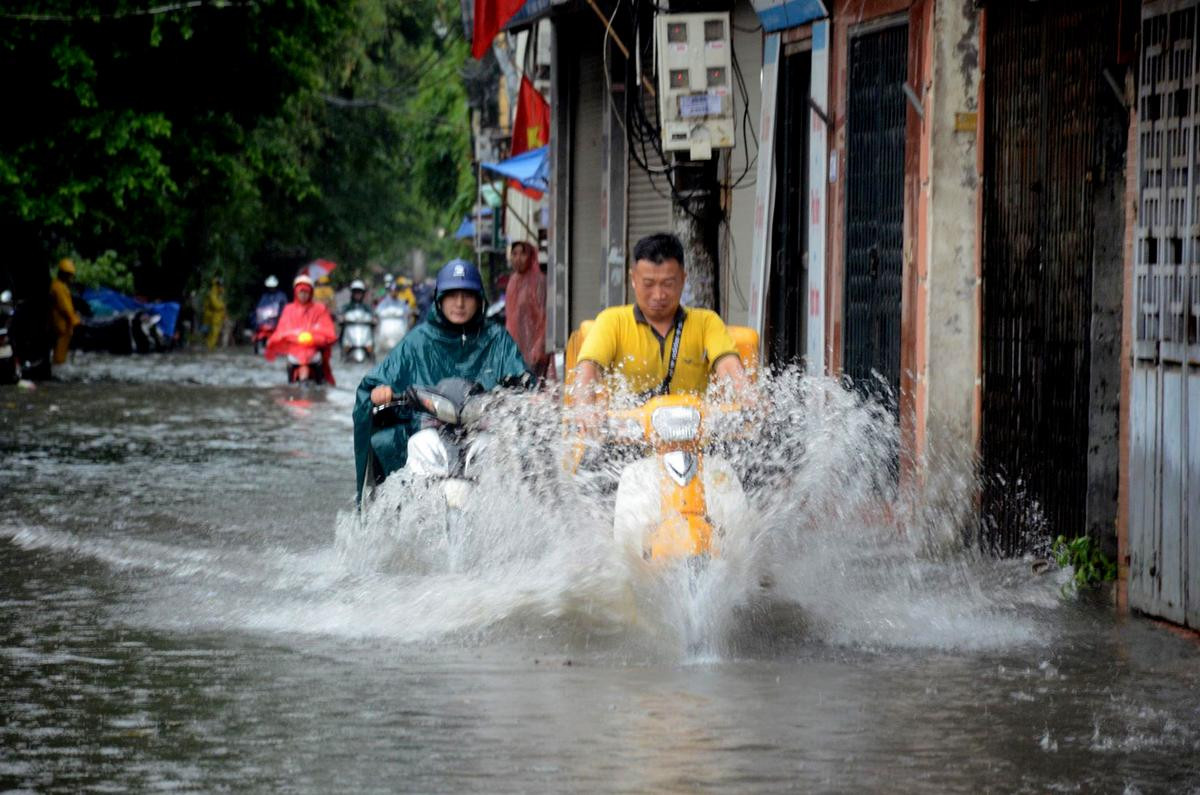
x: 63, y: 317
x: 358, y: 299
x: 394, y: 299
x: 404, y: 292
x: 456, y: 342
x: 323, y: 293
x: 424, y: 293
x: 273, y: 295
x: 304, y: 325
x: 267, y: 311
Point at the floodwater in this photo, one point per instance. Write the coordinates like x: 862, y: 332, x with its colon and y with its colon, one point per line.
x: 191, y: 603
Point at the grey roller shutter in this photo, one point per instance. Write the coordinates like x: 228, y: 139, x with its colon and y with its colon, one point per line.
x: 587, y: 249
x: 649, y: 208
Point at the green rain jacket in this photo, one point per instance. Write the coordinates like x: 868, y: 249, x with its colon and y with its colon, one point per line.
x: 436, y: 349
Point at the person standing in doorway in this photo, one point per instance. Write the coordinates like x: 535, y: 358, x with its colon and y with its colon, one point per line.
x: 525, y: 308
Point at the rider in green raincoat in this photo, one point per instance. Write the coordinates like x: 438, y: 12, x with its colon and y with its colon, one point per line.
x: 455, y: 342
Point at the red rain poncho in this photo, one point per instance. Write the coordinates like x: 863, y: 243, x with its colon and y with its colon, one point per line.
x: 525, y: 315
x: 297, y: 318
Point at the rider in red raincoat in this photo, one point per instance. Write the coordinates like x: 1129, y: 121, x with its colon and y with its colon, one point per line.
x: 303, y: 326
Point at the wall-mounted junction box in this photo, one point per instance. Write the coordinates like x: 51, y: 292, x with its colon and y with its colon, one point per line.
x: 695, y: 82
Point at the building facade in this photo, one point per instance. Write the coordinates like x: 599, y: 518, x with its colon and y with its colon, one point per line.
x: 983, y: 213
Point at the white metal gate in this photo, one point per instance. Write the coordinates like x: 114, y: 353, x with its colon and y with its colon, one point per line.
x: 1164, y: 510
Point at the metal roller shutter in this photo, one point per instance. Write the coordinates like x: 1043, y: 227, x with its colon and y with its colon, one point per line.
x: 587, y: 250
x: 649, y: 209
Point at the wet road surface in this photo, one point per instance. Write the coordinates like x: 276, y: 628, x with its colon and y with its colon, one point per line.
x: 186, y: 607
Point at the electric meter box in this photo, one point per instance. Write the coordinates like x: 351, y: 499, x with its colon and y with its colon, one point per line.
x: 695, y: 82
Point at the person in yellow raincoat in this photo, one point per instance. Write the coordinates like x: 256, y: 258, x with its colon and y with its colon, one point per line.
x: 63, y: 318
x: 404, y: 292
x: 324, y: 294
x: 214, y: 312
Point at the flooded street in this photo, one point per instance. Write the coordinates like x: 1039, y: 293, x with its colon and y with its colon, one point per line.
x: 191, y: 603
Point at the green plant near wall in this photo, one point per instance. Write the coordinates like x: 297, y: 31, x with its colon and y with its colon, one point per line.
x: 1091, y: 566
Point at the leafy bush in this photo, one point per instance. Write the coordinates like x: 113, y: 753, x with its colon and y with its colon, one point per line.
x: 104, y: 271
x: 1091, y: 566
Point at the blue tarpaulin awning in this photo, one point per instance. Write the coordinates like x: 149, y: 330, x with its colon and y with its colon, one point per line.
x: 466, y: 230
x: 782, y: 14
x: 531, y: 169
x: 104, y: 301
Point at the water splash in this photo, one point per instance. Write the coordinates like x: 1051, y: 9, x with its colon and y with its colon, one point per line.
x: 837, y: 548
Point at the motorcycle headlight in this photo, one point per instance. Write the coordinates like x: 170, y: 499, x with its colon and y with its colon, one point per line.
x: 472, y: 411
x: 676, y: 423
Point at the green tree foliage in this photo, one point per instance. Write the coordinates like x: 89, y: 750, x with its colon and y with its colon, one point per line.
x: 232, y: 136
x: 103, y: 271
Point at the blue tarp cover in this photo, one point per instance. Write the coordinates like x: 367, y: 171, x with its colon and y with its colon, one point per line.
x: 782, y: 14
x: 466, y: 230
x: 104, y: 301
x: 531, y: 169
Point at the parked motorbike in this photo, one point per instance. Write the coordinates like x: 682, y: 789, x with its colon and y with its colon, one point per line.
x: 266, y: 318
x: 136, y: 331
x: 358, y: 343
x: 394, y: 321
x: 10, y: 368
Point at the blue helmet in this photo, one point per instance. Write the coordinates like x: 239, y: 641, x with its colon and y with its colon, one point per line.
x: 458, y: 274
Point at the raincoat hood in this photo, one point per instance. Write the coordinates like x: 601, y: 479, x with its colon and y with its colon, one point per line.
x: 525, y: 311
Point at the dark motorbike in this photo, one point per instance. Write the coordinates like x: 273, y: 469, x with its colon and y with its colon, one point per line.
x: 129, y: 332
x: 10, y: 368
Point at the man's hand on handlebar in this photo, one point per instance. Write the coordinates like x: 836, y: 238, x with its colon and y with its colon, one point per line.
x: 381, y: 394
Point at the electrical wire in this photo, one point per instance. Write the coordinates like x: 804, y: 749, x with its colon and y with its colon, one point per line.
x: 644, y: 135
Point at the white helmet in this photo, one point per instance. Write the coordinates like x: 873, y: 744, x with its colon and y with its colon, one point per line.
x: 6, y: 297
x: 358, y: 284
x: 304, y: 279
x: 272, y: 282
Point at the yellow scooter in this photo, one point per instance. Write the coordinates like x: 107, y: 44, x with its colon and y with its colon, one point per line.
x: 678, y: 503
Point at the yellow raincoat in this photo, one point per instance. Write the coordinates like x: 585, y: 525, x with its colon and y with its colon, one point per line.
x: 214, y: 313
x: 63, y: 318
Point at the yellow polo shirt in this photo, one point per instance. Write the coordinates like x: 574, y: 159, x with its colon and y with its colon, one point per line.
x: 632, y: 354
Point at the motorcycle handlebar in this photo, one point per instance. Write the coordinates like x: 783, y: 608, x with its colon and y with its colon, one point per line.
x: 393, y: 412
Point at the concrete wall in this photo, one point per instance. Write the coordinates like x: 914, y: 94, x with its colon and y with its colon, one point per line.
x: 738, y: 238
x: 947, y: 378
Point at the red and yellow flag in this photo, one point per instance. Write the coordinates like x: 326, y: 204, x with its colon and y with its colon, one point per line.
x: 531, y: 127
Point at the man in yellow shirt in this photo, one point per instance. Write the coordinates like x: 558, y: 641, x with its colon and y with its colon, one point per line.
x: 63, y: 317
x: 656, y: 346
